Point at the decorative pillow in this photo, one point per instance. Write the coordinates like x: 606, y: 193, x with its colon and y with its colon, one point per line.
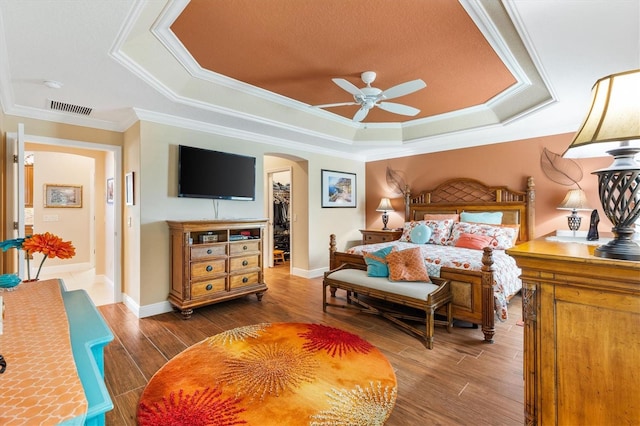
x: 492, y: 218
x: 442, y: 216
x: 473, y: 241
x: 440, y: 230
x: 408, y: 227
x: 420, y: 234
x: 407, y: 265
x: 377, y: 262
x: 503, y: 237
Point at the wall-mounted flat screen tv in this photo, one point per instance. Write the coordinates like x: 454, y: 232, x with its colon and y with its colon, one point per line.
x: 203, y: 173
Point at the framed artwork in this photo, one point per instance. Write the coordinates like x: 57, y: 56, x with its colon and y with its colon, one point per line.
x: 128, y: 189
x: 338, y: 189
x: 62, y: 196
x: 110, y: 190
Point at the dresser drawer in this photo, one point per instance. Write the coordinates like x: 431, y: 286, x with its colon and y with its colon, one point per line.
x: 208, y: 268
x: 205, y: 288
x: 203, y: 251
x: 244, y: 246
x: 239, y: 263
x: 242, y: 280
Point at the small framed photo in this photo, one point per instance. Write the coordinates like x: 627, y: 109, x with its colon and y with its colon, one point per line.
x: 128, y: 189
x: 338, y: 189
x: 56, y: 196
x: 110, y: 190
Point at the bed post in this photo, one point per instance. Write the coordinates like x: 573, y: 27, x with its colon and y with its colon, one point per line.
x: 332, y: 250
x: 407, y: 204
x: 531, y: 208
x: 488, y: 304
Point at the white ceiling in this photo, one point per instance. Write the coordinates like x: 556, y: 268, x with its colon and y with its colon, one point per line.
x: 119, y: 58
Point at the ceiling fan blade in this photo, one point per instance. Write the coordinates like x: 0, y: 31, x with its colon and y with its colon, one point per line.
x: 398, y: 108
x: 345, y: 85
x: 361, y: 114
x: 334, y: 105
x: 403, y: 89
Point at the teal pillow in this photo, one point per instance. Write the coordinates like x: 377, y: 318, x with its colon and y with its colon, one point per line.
x: 492, y: 218
x: 420, y: 234
x: 377, y: 262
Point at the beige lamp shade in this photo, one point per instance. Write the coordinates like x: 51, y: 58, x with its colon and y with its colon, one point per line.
x: 575, y: 199
x: 613, y: 117
x: 385, y: 205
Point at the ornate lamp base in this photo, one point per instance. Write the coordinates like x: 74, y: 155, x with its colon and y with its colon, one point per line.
x: 622, y: 247
x: 619, y: 188
x: 385, y: 220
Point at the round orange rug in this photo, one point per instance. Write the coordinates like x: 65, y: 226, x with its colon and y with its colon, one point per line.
x: 280, y: 373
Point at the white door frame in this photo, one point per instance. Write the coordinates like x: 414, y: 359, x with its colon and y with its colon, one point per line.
x: 117, y: 172
x: 269, y: 201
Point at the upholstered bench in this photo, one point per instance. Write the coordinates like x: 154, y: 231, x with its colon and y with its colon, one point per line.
x: 424, y: 296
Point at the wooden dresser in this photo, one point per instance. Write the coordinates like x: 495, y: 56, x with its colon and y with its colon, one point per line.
x: 581, y: 337
x: 213, y: 261
x: 373, y: 236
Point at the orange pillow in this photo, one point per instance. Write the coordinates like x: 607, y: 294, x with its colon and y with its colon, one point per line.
x: 407, y: 265
x: 442, y: 216
x: 473, y: 241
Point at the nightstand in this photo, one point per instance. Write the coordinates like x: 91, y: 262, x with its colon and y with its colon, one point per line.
x: 373, y: 236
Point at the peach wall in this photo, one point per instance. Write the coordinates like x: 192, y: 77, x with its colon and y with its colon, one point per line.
x: 500, y: 164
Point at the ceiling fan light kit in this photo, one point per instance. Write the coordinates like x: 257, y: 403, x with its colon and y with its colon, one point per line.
x: 369, y: 97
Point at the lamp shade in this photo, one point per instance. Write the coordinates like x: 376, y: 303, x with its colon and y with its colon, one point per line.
x: 575, y: 199
x: 612, y: 117
x: 384, y: 206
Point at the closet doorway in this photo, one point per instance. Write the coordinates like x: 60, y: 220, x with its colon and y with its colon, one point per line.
x: 279, y: 250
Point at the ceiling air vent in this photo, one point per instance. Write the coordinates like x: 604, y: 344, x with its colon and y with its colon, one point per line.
x: 63, y: 106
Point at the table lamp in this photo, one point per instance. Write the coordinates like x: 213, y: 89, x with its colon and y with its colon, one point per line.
x: 575, y: 200
x: 384, y: 207
x: 612, y: 126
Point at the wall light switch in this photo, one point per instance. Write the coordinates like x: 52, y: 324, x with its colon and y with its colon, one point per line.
x: 129, y: 222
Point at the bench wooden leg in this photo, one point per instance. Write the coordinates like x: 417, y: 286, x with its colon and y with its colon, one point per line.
x: 430, y: 329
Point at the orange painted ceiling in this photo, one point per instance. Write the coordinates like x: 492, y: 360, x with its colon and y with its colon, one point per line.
x: 294, y: 48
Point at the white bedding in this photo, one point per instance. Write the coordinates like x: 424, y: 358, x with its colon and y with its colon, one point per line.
x: 506, y: 272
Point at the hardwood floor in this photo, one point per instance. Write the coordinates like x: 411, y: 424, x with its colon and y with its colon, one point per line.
x: 462, y: 381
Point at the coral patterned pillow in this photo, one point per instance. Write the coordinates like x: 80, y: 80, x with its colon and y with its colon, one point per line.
x: 440, y: 230
x: 407, y: 265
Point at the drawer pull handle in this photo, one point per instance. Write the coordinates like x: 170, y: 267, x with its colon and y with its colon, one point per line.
x: 209, y: 251
x: 245, y: 279
x: 209, y: 286
x: 244, y: 247
x: 209, y: 268
x: 245, y: 262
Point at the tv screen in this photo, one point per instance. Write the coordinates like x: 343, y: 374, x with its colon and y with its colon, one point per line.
x: 203, y: 173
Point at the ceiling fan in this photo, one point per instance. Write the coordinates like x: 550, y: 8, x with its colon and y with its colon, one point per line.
x: 369, y: 97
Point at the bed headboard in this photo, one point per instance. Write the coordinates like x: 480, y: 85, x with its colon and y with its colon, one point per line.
x: 464, y: 194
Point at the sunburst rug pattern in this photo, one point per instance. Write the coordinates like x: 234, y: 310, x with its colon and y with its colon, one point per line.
x: 273, y: 374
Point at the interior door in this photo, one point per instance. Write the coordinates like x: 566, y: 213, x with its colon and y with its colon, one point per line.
x: 15, y: 192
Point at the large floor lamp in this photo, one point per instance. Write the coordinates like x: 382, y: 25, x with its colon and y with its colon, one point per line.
x: 612, y: 126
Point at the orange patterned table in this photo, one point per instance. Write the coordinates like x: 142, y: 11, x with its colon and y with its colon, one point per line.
x: 41, y: 383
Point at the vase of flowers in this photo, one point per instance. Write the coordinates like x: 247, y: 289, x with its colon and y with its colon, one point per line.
x: 47, y: 244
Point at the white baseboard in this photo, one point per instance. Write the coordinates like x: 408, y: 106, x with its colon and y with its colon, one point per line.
x: 147, y: 310
x: 59, y: 269
x: 309, y: 274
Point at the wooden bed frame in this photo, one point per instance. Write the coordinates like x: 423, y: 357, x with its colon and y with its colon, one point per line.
x: 473, y: 298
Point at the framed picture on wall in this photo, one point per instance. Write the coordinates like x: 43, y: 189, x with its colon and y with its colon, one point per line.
x: 338, y: 189
x: 110, y: 190
x: 56, y: 196
x: 128, y: 189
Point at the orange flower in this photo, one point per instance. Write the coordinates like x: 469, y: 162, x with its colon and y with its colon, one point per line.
x: 50, y: 246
